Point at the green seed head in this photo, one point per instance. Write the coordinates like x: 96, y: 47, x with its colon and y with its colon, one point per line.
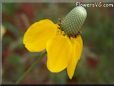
x: 73, y: 21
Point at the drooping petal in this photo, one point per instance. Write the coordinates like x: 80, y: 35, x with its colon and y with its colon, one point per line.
x: 59, y: 51
x: 77, y: 44
x: 38, y: 34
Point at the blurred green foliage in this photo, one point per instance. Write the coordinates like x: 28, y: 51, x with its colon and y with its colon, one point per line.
x: 9, y: 8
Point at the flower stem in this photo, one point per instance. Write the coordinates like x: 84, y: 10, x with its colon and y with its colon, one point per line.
x: 30, y: 68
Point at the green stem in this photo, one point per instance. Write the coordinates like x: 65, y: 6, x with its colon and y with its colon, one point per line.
x: 29, y: 69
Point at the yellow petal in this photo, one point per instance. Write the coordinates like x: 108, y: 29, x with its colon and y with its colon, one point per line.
x: 59, y: 51
x: 77, y: 44
x: 38, y: 34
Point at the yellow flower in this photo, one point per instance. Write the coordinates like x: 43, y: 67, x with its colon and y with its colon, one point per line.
x: 62, y: 51
x: 62, y: 43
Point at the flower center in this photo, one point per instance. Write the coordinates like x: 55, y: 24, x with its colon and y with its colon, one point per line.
x: 73, y: 21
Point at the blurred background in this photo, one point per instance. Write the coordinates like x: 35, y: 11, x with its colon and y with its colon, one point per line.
x: 97, y: 60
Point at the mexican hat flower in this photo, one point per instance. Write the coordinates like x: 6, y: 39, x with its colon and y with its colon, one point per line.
x: 62, y: 41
